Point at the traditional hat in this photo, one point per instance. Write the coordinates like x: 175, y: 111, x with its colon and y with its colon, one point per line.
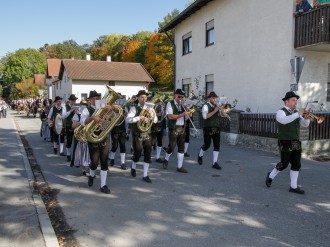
x: 179, y: 91
x: 289, y: 95
x: 57, y: 98
x: 212, y: 94
x: 93, y: 94
x: 72, y: 97
x: 142, y: 92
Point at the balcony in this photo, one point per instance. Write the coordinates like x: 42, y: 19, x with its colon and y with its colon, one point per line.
x: 312, y: 30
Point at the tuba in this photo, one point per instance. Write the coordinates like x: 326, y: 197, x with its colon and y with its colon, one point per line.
x: 145, y: 126
x: 97, y: 132
x: 79, y: 133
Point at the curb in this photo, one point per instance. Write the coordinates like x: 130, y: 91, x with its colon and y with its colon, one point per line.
x: 44, y: 221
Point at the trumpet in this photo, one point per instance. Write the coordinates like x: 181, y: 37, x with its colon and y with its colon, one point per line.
x: 311, y: 116
x: 223, y: 110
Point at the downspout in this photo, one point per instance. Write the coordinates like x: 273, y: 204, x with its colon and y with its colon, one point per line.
x: 174, y: 60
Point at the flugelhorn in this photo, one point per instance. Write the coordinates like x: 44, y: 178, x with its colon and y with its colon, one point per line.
x: 311, y: 116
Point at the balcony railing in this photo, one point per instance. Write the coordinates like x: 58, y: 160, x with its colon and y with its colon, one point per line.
x: 313, y: 28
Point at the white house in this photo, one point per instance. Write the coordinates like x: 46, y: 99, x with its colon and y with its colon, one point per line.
x: 79, y: 77
x: 242, y: 50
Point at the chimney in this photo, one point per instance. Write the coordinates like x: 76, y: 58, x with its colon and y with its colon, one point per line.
x: 108, y: 58
x: 88, y: 57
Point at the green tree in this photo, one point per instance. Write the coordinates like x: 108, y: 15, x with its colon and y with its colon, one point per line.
x: 26, y: 88
x: 65, y: 50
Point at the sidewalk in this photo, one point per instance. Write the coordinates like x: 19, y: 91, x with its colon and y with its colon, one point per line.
x: 23, y: 216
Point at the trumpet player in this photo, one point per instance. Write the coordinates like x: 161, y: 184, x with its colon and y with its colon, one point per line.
x: 141, y: 139
x: 176, y: 114
x: 289, y: 120
x: 211, y: 129
x: 67, y: 114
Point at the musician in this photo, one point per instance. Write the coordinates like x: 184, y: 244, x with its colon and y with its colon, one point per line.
x: 67, y: 115
x: 98, y: 151
x: 211, y: 129
x: 141, y: 140
x: 118, y: 136
x: 176, y: 114
x: 187, y: 138
x: 157, y: 130
x: 289, y: 120
x: 57, y: 109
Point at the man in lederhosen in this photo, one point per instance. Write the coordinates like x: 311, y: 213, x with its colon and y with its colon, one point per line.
x: 98, y: 151
x: 289, y: 121
x: 211, y: 129
x: 176, y: 114
x: 67, y: 115
x: 141, y: 140
x: 157, y: 133
x: 118, y: 136
x: 57, y: 109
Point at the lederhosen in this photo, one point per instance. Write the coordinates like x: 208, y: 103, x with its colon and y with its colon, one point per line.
x: 118, y: 136
x: 157, y: 132
x: 98, y: 151
x: 289, y: 143
x: 141, y: 140
x: 211, y: 129
x: 55, y: 135
x: 68, y: 127
x: 176, y: 133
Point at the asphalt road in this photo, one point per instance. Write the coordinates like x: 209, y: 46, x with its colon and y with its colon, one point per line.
x: 205, y: 207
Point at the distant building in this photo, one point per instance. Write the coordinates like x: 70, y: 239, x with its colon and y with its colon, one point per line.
x: 242, y: 50
x: 39, y: 80
x: 52, y: 73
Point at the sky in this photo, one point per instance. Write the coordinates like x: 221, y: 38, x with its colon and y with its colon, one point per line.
x: 33, y: 23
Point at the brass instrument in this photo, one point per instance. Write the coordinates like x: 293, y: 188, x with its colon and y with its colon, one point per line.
x: 145, y: 126
x: 97, y: 132
x: 224, y: 109
x: 79, y: 133
x: 190, y: 106
x: 311, y: 116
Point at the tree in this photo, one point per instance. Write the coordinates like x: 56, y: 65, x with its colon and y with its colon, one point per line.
x: 23, y: 64
x: 66, y: 50
x: 26, y: 88
x: 129, y: 54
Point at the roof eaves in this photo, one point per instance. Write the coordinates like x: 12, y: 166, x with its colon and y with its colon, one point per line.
x: 191, y: 9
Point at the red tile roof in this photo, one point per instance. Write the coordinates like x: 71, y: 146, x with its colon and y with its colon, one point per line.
x: 53, y: 67
x: 39, y: 80
x: 105, y: 71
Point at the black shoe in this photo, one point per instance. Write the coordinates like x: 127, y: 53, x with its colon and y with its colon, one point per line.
x: 186, y: 155
x: 71, y: 164
x: 62, y: 154
x: 146, y: 179
x: 182, y: 169
x: 90, y: 181
x: 68, y: 158
x: 200, y: 160
x: 105, y: 189
x: 159, y: 160
x: 84, y: 173
x: 133, y: 172
x: 123, y: 167
x: 55, y: 150
x: 297, y: 190
x: 216, y: 166
x: 268, y: 180
x: 112, y: 162
x: 165, y: 164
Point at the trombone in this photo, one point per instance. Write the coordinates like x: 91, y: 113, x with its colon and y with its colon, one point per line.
x: 191, y: 110
x: 224, y: 109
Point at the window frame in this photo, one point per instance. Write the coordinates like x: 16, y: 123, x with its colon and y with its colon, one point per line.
x: 186, y: 82
x: 209, y: 26
x: 187, y: 42
x: 209, y: 79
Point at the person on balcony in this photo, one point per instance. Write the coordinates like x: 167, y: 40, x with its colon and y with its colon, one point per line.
x: 289, y: 121
x: 302, y: 6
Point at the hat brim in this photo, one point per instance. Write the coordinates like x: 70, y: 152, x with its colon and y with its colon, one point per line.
x: 213, y: 96
x: 97, y: 95
x: 138, y: 95
x: 295, y: 96
x: 72, y: 98
x: 57, y: 99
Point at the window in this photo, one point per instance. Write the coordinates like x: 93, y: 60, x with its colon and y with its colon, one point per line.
x: 112, y: 83
x: 83, y: 96
x: 186, y: 44
x: 209, y: 83
x: 210, y: 33
x: 186, y: 86
x: 328, y: 89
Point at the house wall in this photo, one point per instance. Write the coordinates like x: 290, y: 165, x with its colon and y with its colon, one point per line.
x: 250, y: 59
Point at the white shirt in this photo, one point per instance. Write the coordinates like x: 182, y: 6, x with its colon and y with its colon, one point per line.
x: 65, y: 113
x: 50, y: 114
x: 282, y: 118
x: 84, y: 115
x: 132, y: 111
x: 205, y: 109
x: 169, y: 111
